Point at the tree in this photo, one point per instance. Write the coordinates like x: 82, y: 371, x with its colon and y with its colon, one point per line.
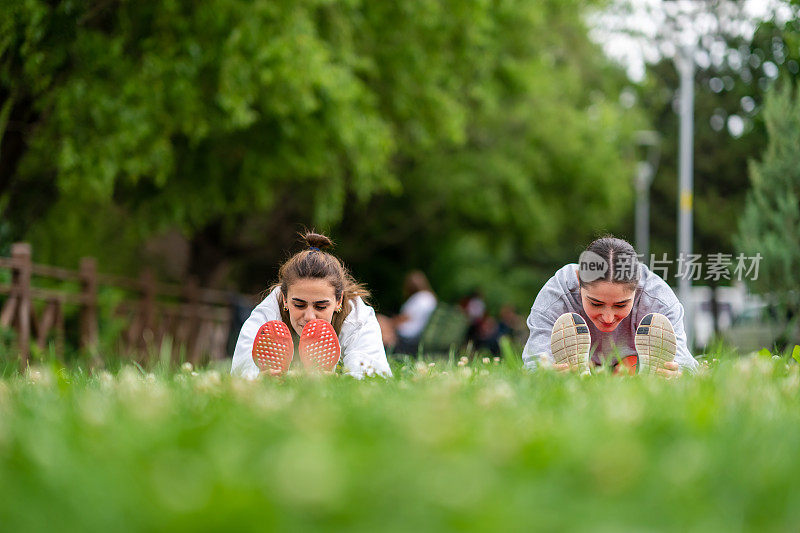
x: 737, y: 58
x: 729, y: 130
x: 181, y: 115
x: 769, y: 225
x: 541, y: 171
x: 412, y: 132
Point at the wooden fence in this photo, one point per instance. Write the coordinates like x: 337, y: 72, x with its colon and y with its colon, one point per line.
x: 196, y: 320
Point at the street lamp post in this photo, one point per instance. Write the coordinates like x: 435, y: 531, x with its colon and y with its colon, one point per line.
x: 684, y: 61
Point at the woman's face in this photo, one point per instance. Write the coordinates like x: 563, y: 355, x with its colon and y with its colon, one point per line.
x: 309, y: 299
x: 607, y: 303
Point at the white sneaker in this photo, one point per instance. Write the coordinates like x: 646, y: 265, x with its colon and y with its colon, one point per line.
x: 655, y: 343
x: 570, y: 342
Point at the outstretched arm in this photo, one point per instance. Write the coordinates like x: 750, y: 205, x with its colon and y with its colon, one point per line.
x: 540, y: 323
x: 362, y: 346
x: 243, y: 364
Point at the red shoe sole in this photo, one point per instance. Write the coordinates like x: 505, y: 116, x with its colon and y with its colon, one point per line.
x: 319, y: 346
x: 273, y: 348
x: 627, y: 366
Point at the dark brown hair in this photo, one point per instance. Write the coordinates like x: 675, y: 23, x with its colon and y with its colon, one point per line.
x: 315, y: 263
x: 415, y: 282
x: 621, y: 260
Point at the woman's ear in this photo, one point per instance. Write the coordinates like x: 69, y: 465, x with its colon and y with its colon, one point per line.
x: 282, y: 301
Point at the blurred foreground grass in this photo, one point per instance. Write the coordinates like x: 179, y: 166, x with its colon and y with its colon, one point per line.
x: 481, y: 447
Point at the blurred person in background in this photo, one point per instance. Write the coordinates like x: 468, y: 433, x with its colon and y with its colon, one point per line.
x: 403, y: 331
x: 511, y: 325
x: 485, y: 332
x: 313, y: 285
x: 474, y: 307
x: 609, y: 303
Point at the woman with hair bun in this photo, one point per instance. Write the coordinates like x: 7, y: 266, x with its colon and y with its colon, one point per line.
x: 608, y: 303
x: 318, y: 300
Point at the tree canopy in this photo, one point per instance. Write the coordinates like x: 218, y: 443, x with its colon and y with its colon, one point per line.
x: 769, y: 225
x: 729, y: 131
x: 482, y: 141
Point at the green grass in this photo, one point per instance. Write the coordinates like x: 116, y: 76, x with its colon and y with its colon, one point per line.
x: 482, y: 447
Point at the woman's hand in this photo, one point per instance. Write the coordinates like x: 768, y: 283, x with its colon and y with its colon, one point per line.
x: 566, y: 367
x: 670, y: 370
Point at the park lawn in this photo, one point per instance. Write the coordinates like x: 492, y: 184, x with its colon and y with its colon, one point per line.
x: 442, y: 447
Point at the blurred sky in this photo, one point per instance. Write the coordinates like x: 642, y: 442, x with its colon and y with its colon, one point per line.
x: 632, y: 31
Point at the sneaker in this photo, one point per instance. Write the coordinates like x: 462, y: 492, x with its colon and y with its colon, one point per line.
x: 570, y: 342
x: 655, y: 343
x: 319, y: 346
x: 273, y: 348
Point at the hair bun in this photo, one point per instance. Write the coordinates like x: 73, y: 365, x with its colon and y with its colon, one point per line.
x: 316, y: 240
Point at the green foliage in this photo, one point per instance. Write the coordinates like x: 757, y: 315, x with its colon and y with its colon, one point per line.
x: 180, y: 113
x: 772, y: 213
x: 402, y: 128
x: 729, y: 91
x: 481, y: 447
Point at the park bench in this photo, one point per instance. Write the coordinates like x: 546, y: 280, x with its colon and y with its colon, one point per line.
x: 446, y: 330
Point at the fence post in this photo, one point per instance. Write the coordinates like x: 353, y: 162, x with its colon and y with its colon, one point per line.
x: 148, y: 308
x: 48, y: 321
x: 88, y: 314
x: 191, y: 319
x: 21, y: 282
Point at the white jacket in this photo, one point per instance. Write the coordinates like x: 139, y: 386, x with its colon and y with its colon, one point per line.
x: 360, y: 339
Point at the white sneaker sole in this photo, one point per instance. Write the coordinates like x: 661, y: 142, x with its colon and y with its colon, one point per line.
x: 570, y: 342
x: 655, y: 343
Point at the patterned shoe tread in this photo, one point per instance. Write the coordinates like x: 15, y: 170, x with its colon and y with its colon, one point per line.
x: 655, y: 343
x: 570, y: 341
x: 273, y: 348
x: 319, y: 346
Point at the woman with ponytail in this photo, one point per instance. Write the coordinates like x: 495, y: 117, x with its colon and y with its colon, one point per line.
x: 608, y: 304
x: 317, y: 301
